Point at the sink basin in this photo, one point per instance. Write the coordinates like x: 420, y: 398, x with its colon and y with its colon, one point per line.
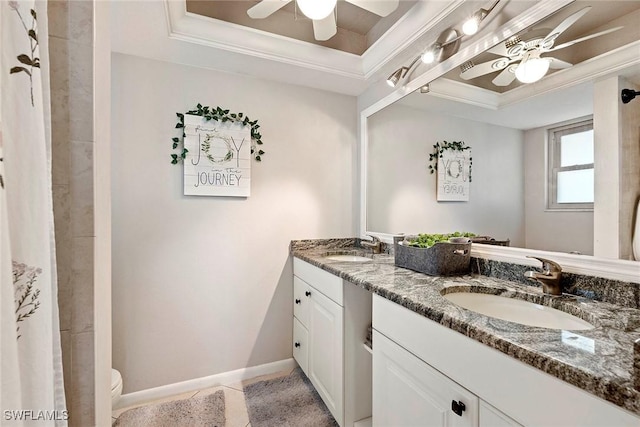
x: 518, y: 311
x: 348, y: 258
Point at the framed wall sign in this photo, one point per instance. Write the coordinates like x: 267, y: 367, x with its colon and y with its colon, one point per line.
x: 218, y: 161
x: 454, y: 175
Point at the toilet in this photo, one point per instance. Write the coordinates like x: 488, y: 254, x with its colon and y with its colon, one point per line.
x: 116, y: 386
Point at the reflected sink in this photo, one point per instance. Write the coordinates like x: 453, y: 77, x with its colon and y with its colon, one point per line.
x: 518, y: 311
x: 348, y: 258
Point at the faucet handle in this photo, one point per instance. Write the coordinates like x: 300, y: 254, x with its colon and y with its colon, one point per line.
x: 548, y: 266
x: 375, y: 239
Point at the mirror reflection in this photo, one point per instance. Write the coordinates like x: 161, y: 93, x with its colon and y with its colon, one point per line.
x: 555, y: 164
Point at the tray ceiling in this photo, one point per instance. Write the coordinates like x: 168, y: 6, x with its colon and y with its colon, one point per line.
x: 358, y: 29
x: 603, y: 15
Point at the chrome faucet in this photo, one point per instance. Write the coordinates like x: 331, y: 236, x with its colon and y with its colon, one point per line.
x: 375, y: 245
x: 549, y: 278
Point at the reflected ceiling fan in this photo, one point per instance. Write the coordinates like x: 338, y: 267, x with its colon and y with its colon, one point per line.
x: 321, y: 12
x: 521, y: 54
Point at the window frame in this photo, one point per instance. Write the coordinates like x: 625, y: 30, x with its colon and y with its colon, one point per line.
x: 554, y: 135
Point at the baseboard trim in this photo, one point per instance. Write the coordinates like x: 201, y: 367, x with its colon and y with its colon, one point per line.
x: 224, y: 378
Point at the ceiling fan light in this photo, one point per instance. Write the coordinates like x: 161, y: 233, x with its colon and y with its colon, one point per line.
x: 532, y: 69
x: 316, y: 9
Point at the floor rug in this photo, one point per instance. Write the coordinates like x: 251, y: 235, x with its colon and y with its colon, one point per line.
x: 197, y: 411
x: 289, y: 401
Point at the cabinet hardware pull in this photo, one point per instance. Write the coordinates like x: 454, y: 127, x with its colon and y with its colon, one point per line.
x: 457, y: 407
x: 297, y: 301
x: 297, y: 345
x: 307, y: 293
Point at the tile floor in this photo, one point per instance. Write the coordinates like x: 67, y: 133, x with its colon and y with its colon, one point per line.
x: 235, y: 407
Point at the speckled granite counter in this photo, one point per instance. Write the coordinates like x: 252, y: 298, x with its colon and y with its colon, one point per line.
x: 599, y: 361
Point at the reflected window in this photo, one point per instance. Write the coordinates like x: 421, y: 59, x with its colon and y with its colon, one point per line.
x: 570, y: 166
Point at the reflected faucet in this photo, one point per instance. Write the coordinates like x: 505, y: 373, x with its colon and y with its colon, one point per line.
x: 375, y: 245
x: 549, y: 278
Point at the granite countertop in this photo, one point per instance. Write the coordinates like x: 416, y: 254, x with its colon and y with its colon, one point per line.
x: 599, y: 361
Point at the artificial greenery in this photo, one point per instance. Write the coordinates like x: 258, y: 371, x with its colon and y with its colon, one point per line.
x: 219, y: 115
x: 438, y: 149
x: 428, y: 240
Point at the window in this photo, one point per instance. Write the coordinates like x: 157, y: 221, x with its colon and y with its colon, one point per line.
x: 570, y: 166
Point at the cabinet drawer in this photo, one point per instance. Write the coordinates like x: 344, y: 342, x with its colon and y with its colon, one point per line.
x: 325, y: 282
x: 301, y: 345
x: 301, y: 300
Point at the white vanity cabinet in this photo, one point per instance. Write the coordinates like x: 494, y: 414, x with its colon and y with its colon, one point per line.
x: 408, y: 392
x: 429, y: 366
x: 329, y: 327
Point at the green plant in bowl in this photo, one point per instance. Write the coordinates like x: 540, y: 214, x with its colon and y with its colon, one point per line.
x: 428, y: 240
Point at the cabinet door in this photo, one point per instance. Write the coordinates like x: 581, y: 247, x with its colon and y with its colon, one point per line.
x: 407, y: 392
x: 326, y: 352
x: 301, y: 300
x: 301, y: 345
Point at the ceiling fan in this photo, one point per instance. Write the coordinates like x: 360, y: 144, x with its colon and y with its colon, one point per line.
x: 521, y: 54
x: 321, y: 12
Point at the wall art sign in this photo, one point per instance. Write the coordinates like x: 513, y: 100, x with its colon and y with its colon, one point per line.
x: 218, y: 157
x: 454, y: 176
x: 452, y: 161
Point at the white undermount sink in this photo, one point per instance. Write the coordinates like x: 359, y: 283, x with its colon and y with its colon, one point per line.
x: 518, y: 311
x: 348, y: 258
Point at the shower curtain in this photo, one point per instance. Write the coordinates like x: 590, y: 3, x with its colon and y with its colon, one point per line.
x: 30, y: 357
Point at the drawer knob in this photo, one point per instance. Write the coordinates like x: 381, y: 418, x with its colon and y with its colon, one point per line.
x: 297, y: 345
x: 457, y: 407
x: 298, y: 301
x: 307, y: 293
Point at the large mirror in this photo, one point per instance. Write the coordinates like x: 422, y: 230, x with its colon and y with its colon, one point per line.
x: 518, y: 192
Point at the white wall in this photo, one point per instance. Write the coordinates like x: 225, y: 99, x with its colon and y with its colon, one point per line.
x: 550, y: 230
x: 203, y: 285
x: 401, y: 193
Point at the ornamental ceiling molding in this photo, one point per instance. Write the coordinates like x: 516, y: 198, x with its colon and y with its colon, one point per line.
x: 205, y: 31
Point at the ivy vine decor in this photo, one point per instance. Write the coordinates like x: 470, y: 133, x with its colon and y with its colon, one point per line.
x: 439, y: 148
x: 219, y: 115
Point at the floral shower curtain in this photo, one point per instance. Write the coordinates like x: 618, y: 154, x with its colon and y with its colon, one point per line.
x: 30, y: 358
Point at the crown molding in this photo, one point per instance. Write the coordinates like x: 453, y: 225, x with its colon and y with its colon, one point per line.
x: 465, y: 93
x: 205, y: 31
x: 197, y: 29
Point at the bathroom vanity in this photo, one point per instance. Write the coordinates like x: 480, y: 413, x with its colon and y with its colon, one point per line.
x: 435, y: 363
x: 329, y: 317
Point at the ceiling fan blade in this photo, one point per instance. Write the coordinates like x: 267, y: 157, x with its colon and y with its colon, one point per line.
x: 472, y: 71
x: 558, y: 64
x: 569, y: 21
x: 581, y: 39
x: 506, y: 77
x: 266, y: 8
x: 324, y: 29
x: 379, y: 7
